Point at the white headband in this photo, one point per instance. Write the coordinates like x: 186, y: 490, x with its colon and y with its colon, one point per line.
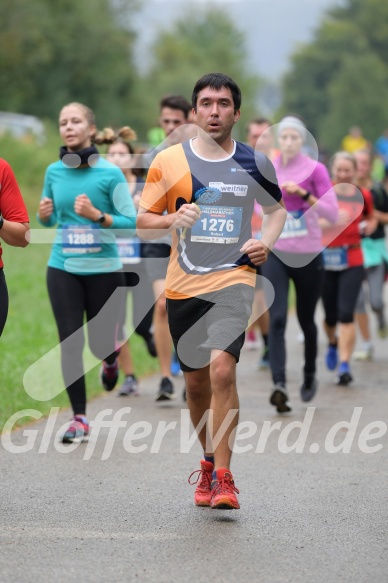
x: 292, y: 122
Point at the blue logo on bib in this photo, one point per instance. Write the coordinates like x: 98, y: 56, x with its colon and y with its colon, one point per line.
x: 207, y: 195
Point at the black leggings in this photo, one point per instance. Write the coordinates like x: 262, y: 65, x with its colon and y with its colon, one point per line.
x: 143, y: 300
x: 72, y: 296
x: 3, y: 301
x: 340, y: 293
x: 307, y: 281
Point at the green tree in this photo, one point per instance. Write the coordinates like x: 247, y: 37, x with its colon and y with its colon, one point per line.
x: 200, y: 42
x: 55, y: 52
x: 351, y: 99
x: 341, y: 77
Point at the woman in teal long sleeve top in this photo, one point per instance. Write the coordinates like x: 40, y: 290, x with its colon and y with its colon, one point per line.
x: 87, y: 198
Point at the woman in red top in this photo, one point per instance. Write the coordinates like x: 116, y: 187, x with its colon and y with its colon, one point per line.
x: 343, y: 263
x: 13, y: 226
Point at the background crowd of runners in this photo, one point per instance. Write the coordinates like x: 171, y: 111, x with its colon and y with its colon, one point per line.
x: 332, y: 248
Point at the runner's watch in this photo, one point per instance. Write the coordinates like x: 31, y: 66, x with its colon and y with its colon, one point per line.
x: 1, y: 221
x: 306, y: 196
x: 101, y: 219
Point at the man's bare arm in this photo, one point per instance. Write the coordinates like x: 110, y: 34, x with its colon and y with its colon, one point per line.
x: 150, y: 225
x: 273, y: 223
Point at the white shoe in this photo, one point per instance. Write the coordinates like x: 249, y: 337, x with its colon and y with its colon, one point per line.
x: 364, y: 355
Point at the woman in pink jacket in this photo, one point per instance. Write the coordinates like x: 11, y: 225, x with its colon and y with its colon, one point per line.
x: 308, y: 196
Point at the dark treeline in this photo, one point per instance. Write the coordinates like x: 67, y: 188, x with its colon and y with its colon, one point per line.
x: 340, y: 79
x: 52, y: 53
x: 55, y: 52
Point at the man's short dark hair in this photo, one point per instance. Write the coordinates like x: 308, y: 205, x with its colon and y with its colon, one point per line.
x: 176, y: 102
x: 217, y: 81
x: 259, y: 121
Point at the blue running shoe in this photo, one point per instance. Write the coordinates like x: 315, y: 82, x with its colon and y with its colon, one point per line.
x: 332, y: 357
x: 344, y: 376
x: 175, y: 366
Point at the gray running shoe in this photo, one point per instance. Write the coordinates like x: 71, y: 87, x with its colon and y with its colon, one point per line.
x: 129, y: 387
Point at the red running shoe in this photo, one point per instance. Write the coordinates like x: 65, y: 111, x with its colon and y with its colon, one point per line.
x: 203, y: 492
x: 109, y: 374
x: 223, y: 494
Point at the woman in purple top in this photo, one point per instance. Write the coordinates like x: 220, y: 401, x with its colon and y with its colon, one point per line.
x: 308, y: 196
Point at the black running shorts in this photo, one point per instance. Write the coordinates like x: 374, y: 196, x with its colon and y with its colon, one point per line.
x: 216, y: 320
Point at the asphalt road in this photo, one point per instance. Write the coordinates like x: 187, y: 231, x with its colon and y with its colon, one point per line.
x: 104, y: 512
